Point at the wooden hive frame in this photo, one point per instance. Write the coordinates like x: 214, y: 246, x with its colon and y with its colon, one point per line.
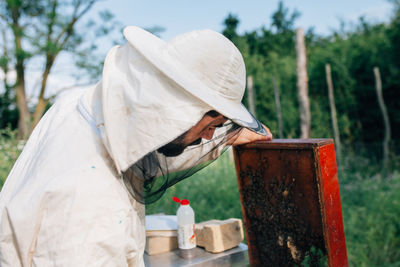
x: 290, y: 199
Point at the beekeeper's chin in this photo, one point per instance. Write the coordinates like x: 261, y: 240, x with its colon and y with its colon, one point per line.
x: 176, y: 147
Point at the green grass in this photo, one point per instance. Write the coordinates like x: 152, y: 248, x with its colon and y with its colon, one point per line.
x: 371, y: 214
x: 10, y: 148
x: 212, y: 192
x: 371, y: 206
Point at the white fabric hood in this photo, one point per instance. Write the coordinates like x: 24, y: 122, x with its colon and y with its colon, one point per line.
x: 142, y: 108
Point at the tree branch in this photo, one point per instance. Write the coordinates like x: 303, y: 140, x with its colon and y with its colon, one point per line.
x: 4, y: 18
x: 51, y: 56
x: 51, y: 23
x: 5, y: 54
x: 59, y: 44
x: 75, y: 17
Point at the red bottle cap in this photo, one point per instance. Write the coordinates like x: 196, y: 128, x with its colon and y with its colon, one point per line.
x: 183, y: 201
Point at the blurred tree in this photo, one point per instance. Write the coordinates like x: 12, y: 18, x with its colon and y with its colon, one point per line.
x: 8, y: 110
x: 269, y: 53
x: 351, y: 51
x: 231, y: 23
x: 281, y: 19
x: 392, y: 72
x: 39, y: 28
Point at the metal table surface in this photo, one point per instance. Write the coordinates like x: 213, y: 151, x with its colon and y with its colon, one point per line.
x: 237, y: 256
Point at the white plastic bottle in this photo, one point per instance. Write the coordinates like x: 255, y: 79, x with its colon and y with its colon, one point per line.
x: 186, y: 228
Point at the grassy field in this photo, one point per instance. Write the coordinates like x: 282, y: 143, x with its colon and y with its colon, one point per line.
x: 371, y: 206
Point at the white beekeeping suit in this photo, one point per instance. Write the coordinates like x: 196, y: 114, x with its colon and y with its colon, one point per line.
x: 65, y: 202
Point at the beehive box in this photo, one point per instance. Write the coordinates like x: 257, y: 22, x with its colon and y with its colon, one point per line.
x: 161, y: 234
x: 290, y: 200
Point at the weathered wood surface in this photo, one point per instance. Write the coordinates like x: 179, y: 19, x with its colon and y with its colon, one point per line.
x: 335, y: 126
x: 278, y: 107
x: 302, y: 85
x: 251, y: 95
x: 382, y: 106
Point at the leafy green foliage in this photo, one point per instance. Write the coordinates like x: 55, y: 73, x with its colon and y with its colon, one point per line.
x: 201, y: 190
x: 269, y: 52
x: 371, y: 212
x: 39, y: 31
x: 282, y: 20
x: 10, y: 149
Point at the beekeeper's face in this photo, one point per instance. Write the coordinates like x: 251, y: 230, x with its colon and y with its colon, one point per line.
x: 204, y: 129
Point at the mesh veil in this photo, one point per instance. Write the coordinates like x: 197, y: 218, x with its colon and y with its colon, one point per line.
x: 151, y: 176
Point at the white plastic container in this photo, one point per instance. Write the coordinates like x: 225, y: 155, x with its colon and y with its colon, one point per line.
x: 186, y: 228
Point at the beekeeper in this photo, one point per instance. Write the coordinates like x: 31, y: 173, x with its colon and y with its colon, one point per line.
x: 163, y: 110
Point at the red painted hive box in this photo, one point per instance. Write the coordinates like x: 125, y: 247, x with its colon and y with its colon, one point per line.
x: 290, y: 199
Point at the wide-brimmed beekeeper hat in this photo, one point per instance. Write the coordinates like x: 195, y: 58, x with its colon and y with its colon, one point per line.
x: 204, y: 63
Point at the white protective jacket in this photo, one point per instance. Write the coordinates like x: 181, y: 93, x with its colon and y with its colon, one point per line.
x: 64, y: 203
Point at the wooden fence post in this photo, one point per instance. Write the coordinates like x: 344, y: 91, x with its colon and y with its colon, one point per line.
x: 386, y: 140
x: 250, y: 95
x: 302, y: 85
x: 278, y: 107
x: 335, y: 126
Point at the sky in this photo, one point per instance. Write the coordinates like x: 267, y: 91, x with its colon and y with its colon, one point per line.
x: 179, y: 16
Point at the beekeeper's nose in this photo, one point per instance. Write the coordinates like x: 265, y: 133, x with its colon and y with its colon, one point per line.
x: 208, y: 134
